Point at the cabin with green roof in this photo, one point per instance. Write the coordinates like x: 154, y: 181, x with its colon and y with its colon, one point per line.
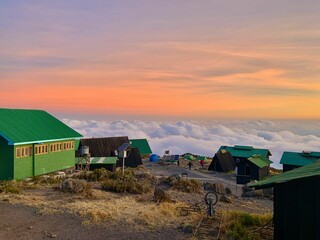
x: 251, y: 163
x: 296, y: 202
x: 143, y: 146
x: 33, y: 142
x: 292, y: 160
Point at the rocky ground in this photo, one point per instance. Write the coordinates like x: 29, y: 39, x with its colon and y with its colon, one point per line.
x: 45, y: 213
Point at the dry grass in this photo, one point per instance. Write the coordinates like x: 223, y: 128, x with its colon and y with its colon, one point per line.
x: 239, y: 225
x: 132, y: 209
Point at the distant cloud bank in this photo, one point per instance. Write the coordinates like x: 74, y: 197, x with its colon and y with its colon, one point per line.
x: 205, y: 138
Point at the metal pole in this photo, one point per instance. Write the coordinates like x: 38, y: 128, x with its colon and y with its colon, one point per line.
x: 123, y: 158
x: 123, y: 165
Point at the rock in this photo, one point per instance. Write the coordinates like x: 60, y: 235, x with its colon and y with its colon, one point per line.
x: 225, y: 199
x: 60, y: 174
x: 219, y: 188
x: 207, y: 186
x: 228, y: 191
x: 252, y: 193
x: 161, y: 196
x: 47, y: 234
x: 267, y: 192
x: 245, y: 188
x: 74, y: 185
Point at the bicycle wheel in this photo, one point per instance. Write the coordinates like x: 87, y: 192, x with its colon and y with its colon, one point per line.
x: 211, y: 198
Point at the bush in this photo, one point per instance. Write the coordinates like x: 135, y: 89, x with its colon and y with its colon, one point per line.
x: 99, y: 174
x: 121, y: 185
x: 189, y: 186
x: 10, y: 187
x: 46, y: 180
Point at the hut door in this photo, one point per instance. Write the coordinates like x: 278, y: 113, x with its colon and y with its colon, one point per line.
x: 248, y: 170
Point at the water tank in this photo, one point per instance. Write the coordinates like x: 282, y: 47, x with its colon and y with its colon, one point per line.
x: 84, y: 150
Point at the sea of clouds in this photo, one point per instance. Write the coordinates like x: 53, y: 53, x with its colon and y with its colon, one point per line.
x: 205, y: 138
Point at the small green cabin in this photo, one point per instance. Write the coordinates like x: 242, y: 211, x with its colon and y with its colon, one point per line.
x: 143, y: 146
x: 33, y: 142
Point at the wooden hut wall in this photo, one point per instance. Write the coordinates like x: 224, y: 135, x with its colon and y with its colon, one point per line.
x: 288, y: 167
x: 133, y: 159
x: 263, y: 172
x: 109, y: 167
x: 297, y: 209
x: 246, y: 168
x: 214, y: 165
x: 222, y: 162
x: 103, y: 147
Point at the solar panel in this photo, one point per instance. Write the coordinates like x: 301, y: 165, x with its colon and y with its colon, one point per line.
x: 124, y: 147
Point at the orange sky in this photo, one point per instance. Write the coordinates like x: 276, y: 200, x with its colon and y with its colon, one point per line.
x: 190, y: 61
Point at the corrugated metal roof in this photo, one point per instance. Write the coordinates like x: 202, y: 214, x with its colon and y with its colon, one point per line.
x: 28, y: 126
x: 299, y: 159
x: 259, y: 160
x: 245, y: 151
x: 100, y: 160
x: 302, y: 172
x: 201, y: 158
x: 142, y: 145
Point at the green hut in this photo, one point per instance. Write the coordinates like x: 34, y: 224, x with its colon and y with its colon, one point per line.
x: 33, y: 142
x: 296, y: 202
x: 143, y: 146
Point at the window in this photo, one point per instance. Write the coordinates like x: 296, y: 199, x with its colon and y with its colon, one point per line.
x: 68, y: 145
x: 41, y: 149
x: 55, y: 147
x: 24, y: 152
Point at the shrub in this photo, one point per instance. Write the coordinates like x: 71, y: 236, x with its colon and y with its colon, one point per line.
x: 122, y: 185
x: 189, y: 186
x: 99, y: 174
x: 46, y: 180
x: 10, y: 187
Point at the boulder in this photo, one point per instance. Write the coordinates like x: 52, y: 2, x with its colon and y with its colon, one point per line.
x: 207, y: 186
x: 161, y: 196
x: 228, y: 191
x: 267, y: 192
x: 74, y: 185
x: 252, y: 193
x: 225, y: 199
x: 219, y: 188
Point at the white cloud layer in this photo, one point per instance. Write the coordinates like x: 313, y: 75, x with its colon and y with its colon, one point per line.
x: 205, y: 138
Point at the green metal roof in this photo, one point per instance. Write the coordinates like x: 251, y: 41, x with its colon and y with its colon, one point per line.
x: 302, y: 172
x: 22, y: 126
x: 142, y: 145
x: 201, y: 158
x: 299, y: 159
x: 99, y: 160
x: 189, y: 157
x: 245, y: 151
x: 259, y: 160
